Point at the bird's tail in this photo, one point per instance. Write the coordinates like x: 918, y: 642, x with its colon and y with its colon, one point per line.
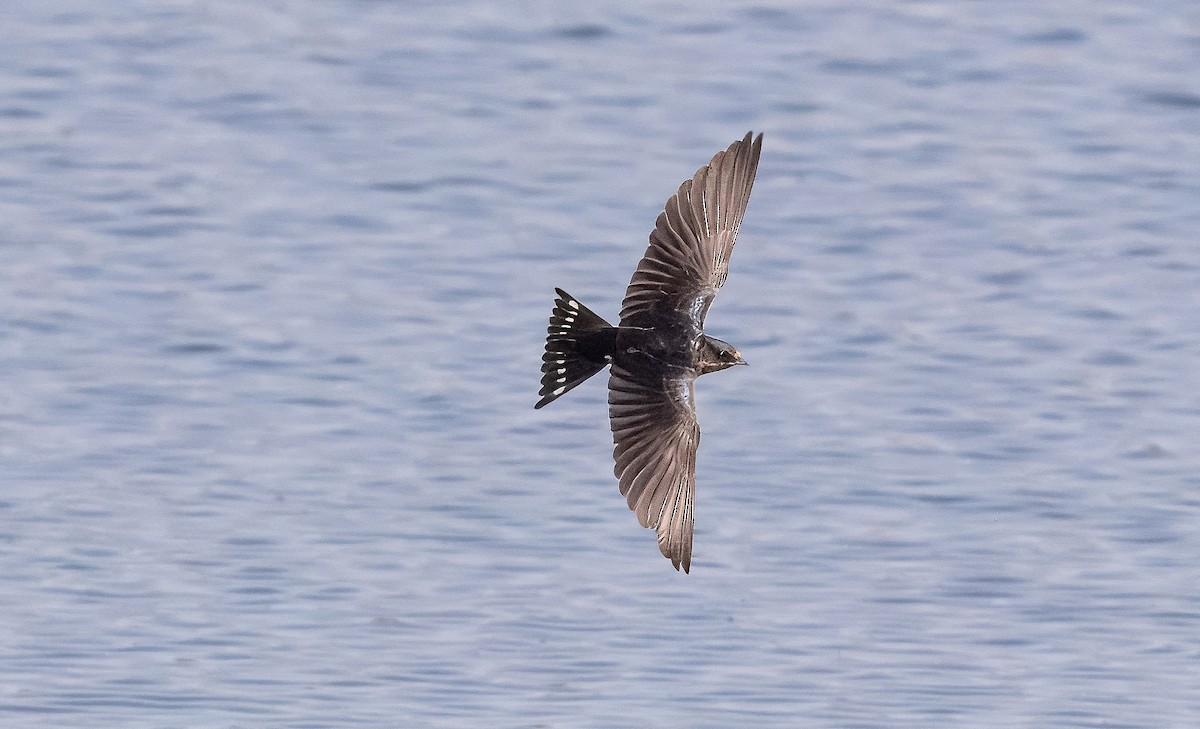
x: 578, y: 345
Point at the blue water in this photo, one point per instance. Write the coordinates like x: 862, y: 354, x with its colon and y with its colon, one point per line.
x: 273, y: 283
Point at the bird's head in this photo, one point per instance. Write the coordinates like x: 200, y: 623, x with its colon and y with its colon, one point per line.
x: 717, y: 355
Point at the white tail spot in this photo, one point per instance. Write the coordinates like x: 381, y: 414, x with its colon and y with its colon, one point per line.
x: 558, y: 391
x: 573, y: 304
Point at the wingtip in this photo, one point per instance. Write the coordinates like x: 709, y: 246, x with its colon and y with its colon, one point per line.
x: 681, y: 561
x: 752, y: 139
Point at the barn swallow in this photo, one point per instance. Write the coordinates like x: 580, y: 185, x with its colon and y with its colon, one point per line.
x: 659, y: 347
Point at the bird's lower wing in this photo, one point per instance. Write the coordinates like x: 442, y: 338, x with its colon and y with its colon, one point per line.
x: 656, y: 435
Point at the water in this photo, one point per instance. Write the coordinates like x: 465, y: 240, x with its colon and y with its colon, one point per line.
x: 273, y: 283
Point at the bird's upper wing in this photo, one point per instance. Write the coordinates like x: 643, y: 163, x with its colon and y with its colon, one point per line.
x: 656, y: 435
x: 688, y: 256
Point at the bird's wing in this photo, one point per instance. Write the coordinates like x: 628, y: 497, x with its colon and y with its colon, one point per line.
x: 656, y: 435
x: 688, y: 256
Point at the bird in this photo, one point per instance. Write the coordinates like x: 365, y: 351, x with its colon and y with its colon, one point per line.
x: 658, y: 348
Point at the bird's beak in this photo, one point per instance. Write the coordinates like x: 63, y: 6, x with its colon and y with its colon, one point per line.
x: 741, y: 361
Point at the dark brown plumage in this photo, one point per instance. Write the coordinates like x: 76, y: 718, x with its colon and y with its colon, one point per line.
x: 659, y: 348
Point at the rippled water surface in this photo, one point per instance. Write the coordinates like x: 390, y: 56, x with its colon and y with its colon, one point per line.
x: 273, y: 283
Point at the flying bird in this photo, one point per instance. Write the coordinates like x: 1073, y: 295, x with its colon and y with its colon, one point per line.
x: 660, y: 348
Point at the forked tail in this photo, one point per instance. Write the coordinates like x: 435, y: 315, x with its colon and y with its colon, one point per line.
x: 578, y: 345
